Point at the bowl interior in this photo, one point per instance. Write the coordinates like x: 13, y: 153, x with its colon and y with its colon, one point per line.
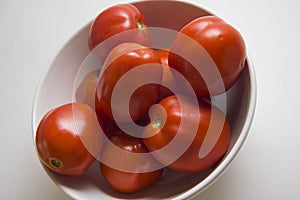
x: 57, y: 85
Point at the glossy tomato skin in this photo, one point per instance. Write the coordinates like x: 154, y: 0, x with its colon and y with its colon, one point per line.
x: 108, y: 125
x: 168, y: 78
x: 127, y: 181
x: 189, y: 160
x: 68, y: 139
x: 117, y: 19
x: 122, y: 59
x: 222, y: 42
x: 85, y: 92
x: 163, y: 55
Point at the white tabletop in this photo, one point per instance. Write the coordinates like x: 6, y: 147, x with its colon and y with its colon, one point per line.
x: 267, y: 167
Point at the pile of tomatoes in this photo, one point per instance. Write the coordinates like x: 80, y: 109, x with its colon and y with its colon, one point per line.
x: 136, y: 133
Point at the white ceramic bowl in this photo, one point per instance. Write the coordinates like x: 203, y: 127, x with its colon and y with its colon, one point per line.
x: 56, y: 88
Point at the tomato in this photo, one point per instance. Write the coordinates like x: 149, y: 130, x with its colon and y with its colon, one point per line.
x: 117, y: 155
x: 128, y: 66
x: 107, y: 124
x: 220, y: 42
x: 189, y: 124
x: 85, y: 92
x: 163, y: 54
x: 68, y: 139
x: 117, y: 19
x: 167, y: 79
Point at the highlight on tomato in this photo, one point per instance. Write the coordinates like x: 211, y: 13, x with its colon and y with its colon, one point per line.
x: 210, y: 53
x: 168, y: 80
x: 115, y: 25
x: 68, y: 139
x: 123, y: 92
x: 197, y: 126
x: 85, y: 93
x: 126, y: 164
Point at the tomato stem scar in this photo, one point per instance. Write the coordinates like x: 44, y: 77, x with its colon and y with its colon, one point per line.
x: 156, y: 123
x: 55, y: 163
x: 140, y: 25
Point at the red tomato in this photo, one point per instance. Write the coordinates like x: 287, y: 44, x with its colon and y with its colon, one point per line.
x: 107, y: 124
x: 85, y: 92
x: 167, y: 79
x: 116, y: 154
x: 119, y: 19
x: 225, y: 46
x: 133, y: 64
x: 163, y: 54
x: 68, y: 139
x: 165, y: 127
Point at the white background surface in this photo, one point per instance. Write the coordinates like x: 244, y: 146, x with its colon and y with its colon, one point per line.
x: 267, y: 167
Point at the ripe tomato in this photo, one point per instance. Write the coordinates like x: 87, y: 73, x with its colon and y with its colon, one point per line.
x: 119, y: 19
x: 85, y: 92
x: 224, y: 45
x: 133, y: 64
x: 68, y: 139
x: 175, y: 123
x: 107, y: 124
x: 122, y: 153
x: 167, y: 79
x: 163, y: 54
